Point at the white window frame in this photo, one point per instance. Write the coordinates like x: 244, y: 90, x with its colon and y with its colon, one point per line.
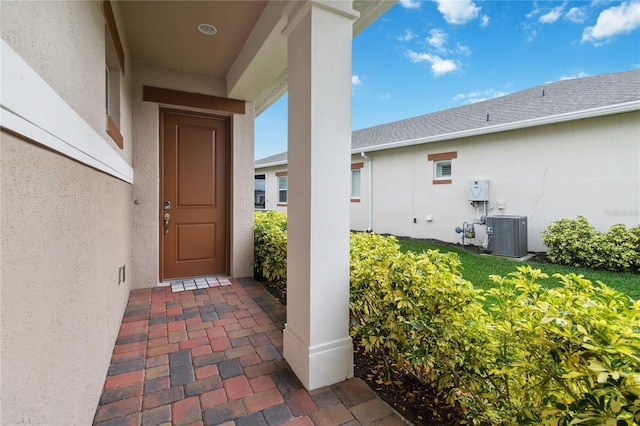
x: 284, y: 190
x: 354, y: 173
x: 439, y: 169
x: 441, y: 162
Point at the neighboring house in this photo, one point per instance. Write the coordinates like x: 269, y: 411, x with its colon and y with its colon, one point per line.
x: 127, y: 160
x: 559, y: 150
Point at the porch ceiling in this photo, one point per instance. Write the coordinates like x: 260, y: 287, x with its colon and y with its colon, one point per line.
x: 247, y: 55
x: 165, y: 32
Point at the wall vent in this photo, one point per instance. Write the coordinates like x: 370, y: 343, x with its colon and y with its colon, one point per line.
x: 507, y: 235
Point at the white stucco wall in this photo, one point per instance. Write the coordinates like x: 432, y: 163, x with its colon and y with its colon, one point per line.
x: 146, y: 160
x: 271, y: 187
x: 359, y: 211
x: 65, y: 227
x: 587, y: 167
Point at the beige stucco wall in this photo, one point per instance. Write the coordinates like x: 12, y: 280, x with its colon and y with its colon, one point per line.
x: 587, y: 167
x: 146, y: 160
x: 65, y: 227
x: 64, y: 233
x: 242, y: 193
x: 63, y: 41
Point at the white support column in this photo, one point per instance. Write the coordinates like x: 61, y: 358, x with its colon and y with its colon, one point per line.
x: 317, y: 344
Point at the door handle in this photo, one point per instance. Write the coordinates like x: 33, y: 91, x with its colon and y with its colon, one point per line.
x: 166, y: 218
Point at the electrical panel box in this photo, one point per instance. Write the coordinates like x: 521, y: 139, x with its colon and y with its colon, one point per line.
x: 478, y: 190
x: 507, y: 235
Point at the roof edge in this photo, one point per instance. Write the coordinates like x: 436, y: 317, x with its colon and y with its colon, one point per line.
x: 273, y: 164
x: 516, y: 125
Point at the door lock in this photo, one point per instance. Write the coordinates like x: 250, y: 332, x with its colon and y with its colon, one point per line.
x: 166, y: 218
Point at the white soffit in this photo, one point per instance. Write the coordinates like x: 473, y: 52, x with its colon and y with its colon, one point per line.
x: 31, y: 108
x: 263, y: 57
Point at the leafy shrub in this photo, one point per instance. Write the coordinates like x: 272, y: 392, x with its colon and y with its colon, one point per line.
x: 558, y: 356
x: 568, y: 355
x: 619, y: 249
x: 538, y: 355
x: 270, y: 245
x: 418, y: 310
x: 575, y: 242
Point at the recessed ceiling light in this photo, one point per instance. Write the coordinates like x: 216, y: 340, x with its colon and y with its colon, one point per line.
x: 207, y: 29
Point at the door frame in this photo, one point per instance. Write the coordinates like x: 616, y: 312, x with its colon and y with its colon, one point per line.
x: 227, y: 186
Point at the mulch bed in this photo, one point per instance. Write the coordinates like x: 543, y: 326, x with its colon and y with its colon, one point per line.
x: 410, y: 397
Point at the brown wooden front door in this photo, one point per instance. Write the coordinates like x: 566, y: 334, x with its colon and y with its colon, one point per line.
x: 193, y: 194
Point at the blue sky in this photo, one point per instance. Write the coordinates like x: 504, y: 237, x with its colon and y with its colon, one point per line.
x: 426, y: 56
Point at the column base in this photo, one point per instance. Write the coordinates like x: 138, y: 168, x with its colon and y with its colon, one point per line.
x: 320, y: 365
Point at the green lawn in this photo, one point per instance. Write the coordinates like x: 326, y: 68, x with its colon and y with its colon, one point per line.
x: 477, y: 268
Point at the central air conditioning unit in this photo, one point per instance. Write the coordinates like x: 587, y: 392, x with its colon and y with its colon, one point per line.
x: 507, y: 235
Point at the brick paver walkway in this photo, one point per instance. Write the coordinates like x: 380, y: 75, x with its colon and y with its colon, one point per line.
x: 214, y: 357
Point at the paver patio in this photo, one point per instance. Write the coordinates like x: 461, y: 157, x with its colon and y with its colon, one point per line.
x: 213, y: 356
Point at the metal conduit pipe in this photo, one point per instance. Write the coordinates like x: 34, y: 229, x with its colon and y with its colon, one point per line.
x: 370, y: 190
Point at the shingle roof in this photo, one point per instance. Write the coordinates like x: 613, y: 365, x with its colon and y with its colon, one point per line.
x: 560, y: 97
x: 276, y: 158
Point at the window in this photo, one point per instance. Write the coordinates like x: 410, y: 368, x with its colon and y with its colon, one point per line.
x: 283, y: 186
x: 356, y: 174
x: 114, y: 67
x: 442, y: 166
x: 259, y: 196
x: 443, y: 169
x: 355, y: 183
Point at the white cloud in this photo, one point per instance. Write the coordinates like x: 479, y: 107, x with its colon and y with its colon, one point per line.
x: 355, y: 80
x: 439, y: 66
x: 612, y: 22
x: 577, y: 15
x: 477, y: 96
x: 552, y: 16
x: 532, y: 36
x: 581, y: 74
x: 533, y: 13
x: 443, y: 66
x: 458, y: 11
x: 437, y: 38
x: 463, y: 50
x: 385, y: 96
x: 408, y: 35
x: 410, y: 4
x: 484, y: 21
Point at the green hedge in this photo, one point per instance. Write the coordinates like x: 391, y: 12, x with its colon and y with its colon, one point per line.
x: 270, y: 245
x: 575, y: 242
x: 567, y: 355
